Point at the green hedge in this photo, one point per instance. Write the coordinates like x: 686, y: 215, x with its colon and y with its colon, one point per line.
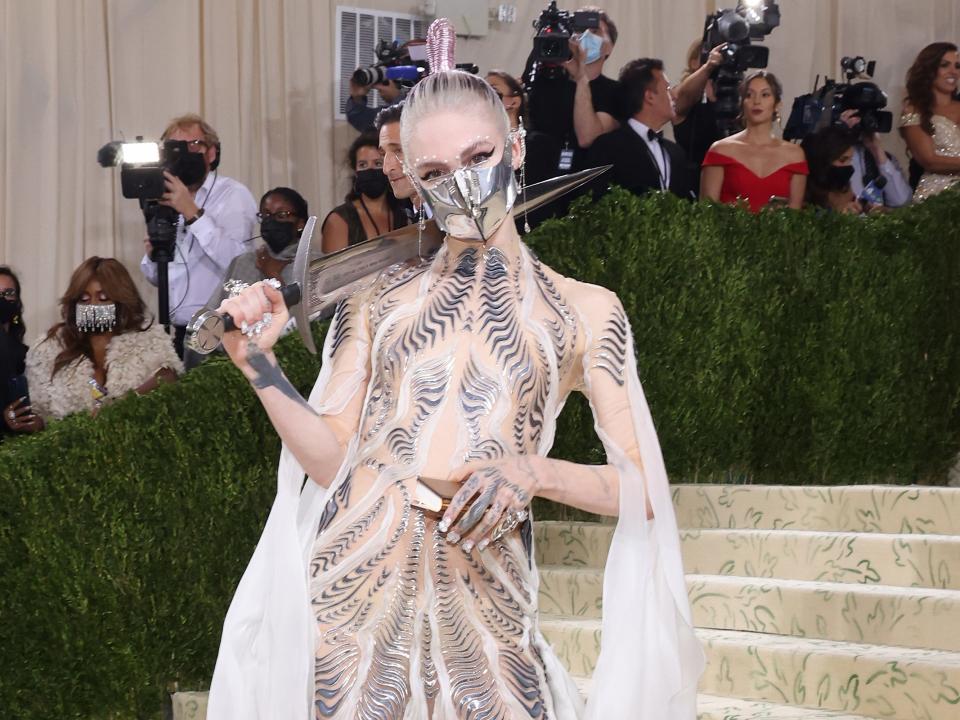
x: 785, y: 347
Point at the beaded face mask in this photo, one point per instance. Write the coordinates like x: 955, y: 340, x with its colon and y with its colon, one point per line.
x: 96, y: 318
x: 470, y: 202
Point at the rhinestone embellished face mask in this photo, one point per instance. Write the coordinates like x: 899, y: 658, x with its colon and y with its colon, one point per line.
x: 471, y: 202
x: 96, y: 318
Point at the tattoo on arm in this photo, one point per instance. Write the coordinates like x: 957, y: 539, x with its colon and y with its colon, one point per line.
x: 269, y: 375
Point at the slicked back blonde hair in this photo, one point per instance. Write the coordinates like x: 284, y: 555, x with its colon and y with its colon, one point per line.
x: 450, y: 90
x: 185, y: 122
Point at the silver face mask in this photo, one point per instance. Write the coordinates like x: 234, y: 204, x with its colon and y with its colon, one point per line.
x: 96, y: 318
x: 470, y: 203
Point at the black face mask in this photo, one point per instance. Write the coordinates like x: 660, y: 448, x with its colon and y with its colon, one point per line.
x: 277, y: 235
x: 191, y: 169
x: 8, y: 310
x: 838, y: 176
x: 372, y: 183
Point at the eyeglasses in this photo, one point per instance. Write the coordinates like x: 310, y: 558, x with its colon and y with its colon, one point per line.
x: 282, y: 215
x: 197, y: 145
x: 9, y: 293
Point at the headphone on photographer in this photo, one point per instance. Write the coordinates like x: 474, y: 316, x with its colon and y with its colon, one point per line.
x: 216, y: 159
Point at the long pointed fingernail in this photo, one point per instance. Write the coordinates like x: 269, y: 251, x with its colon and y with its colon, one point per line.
x: 483, y: 545
x: 453, y: 538
x: 444, y: 525
x: 468, y: 546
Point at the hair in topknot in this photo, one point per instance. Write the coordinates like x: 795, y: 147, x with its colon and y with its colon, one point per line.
x: 447, y: 88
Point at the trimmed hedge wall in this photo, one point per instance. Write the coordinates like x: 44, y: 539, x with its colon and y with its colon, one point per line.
x: 786, y: 347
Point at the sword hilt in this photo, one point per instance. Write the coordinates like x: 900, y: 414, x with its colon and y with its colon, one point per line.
x: 207, y: 328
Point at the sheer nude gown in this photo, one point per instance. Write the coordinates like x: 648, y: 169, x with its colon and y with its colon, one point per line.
x: 468, y: 357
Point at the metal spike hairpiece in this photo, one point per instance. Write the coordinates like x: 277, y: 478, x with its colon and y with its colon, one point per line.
x: 441, y: 44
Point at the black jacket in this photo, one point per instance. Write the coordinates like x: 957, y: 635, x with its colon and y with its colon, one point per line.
x: 634, y: 167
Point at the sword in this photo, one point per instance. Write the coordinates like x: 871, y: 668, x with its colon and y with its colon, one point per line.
x: 323, y: 280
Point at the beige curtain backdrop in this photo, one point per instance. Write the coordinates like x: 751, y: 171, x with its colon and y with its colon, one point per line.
x: 78, y: 73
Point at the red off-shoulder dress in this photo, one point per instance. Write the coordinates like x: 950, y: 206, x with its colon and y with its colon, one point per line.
x: 739, y: 181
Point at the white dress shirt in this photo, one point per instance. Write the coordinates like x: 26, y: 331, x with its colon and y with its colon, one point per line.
x: 896, y: 193
x: 206, y: 248
x: 657, y: 151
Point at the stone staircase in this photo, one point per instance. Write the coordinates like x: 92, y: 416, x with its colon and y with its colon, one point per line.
x: 810, y: 602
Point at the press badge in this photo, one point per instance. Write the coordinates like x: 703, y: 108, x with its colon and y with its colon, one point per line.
x: 566, y: 160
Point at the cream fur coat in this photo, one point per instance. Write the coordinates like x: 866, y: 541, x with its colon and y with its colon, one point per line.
x: 132, y: 358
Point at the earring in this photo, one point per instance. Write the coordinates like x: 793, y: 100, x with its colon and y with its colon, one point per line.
x: 421, y: 224
x: 522, y: 135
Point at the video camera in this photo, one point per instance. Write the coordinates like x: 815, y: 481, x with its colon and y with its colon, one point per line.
x: 737, y: 28
x: 405, y: 63
x: 825, y: 105
x: 142, y: 165
x: 551, y: 44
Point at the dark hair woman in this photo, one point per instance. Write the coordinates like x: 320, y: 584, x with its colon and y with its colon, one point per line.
x: 930, y: 122
x: 105, y: 340
x: 370, y: 208
x: 754, y: 164
x: 18, y: 415
x: 830, y: 159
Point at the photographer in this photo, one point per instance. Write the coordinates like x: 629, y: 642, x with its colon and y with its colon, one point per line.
x: 362, y: 117
x: 583, y: 104
x: 642, y: 159
x: 870, y: 162
x: 217, y: 216
x: 695, y: 125
x: 829, y: 154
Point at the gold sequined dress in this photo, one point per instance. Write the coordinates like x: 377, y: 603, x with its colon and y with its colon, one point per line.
x: 356, y: 606
x: 946, y: 141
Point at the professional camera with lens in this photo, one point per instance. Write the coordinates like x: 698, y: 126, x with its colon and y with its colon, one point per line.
x: 736, y: 29
x: 551, y: 44
x: 405, y: 63
x: 826, y: 104
x: 142, y: 165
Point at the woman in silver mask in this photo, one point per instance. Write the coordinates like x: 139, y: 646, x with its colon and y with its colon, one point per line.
x: 400, y: 581
x: 105, y: 347
x: 370, y: 208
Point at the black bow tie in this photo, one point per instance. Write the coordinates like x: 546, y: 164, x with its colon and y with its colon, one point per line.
x: 654, y: 135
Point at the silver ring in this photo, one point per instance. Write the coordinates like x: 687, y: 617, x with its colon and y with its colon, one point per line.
x: 12, y: 415
x: 509, y: 523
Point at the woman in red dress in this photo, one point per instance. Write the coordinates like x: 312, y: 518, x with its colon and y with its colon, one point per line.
x: 754, y: 165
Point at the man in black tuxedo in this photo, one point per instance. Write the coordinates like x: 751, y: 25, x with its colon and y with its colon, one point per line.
x: 643, y: 160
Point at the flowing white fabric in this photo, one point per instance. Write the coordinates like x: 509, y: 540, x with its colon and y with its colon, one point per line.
x: 264, y: 668
x: 650, y: 659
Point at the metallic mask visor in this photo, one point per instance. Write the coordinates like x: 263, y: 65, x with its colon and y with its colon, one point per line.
x: 472, y: 202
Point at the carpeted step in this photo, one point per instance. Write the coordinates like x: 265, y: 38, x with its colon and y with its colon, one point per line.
x: 712, y: 707
x: 851, y: 508
x: 867, y: 558
x: 876, y: 614
x: 931, y: 561
x: 872, y: 680
x: 873, y: 614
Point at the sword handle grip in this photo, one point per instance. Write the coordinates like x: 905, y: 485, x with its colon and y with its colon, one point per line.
x: 207, y: 327
x: 291, y: 296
